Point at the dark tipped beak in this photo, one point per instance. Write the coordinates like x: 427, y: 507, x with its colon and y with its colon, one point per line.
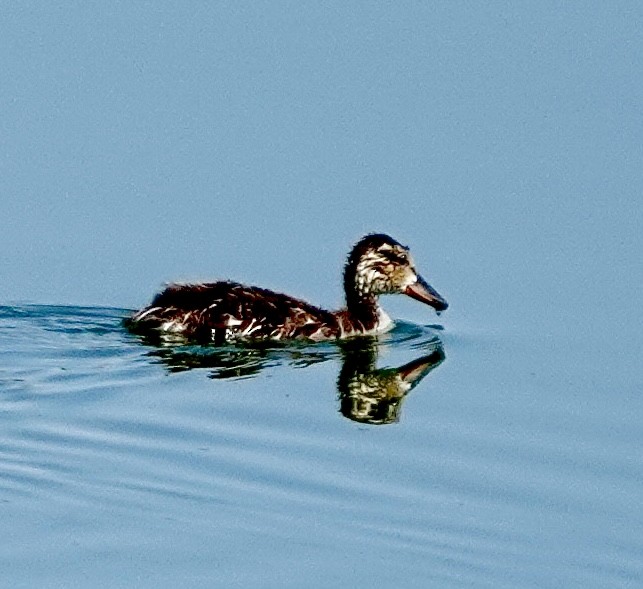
x: 422, y: 291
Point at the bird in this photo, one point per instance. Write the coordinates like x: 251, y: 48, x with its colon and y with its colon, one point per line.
x: 226, y: 312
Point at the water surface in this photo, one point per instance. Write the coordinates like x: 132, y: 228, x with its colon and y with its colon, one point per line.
x: 497, y: 463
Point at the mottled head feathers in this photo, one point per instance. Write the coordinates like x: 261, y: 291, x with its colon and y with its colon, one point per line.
x: 378, y: 265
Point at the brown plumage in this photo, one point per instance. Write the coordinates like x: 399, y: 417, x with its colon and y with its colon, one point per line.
x: 226, y: 311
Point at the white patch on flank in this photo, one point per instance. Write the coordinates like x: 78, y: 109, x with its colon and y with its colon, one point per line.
x: 251, y: 331
x: 318, y: 335
x: 250, y: 328
x: 146, y: 313
x: 173, y: 326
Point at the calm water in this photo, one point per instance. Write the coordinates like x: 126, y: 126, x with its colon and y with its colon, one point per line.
x: 502, y: 141
x: 430, y: 458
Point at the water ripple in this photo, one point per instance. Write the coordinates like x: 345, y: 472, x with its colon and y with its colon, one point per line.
x: 128, y: 445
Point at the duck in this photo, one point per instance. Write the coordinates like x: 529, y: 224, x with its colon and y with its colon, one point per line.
x: 225, y: 311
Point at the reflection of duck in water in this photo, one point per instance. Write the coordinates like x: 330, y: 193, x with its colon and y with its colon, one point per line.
x: 371, y: 395
x: 234, y: 362
x: 366, y: 394
x: 227, y: 311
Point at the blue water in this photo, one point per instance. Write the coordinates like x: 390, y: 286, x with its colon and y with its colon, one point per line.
x: 147, y: 142
x: 512, y: 462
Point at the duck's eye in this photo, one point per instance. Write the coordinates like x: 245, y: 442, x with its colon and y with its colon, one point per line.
x: 397, y: 257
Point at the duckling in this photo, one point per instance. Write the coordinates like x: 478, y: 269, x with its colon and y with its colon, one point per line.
x: 225, y: 311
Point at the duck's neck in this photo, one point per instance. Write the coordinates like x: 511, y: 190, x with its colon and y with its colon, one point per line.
x: 363, y: 311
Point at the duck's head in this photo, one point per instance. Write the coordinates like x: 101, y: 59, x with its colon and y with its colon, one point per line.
x: 380, y: 265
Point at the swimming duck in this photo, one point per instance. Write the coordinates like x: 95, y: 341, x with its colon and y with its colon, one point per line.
x: 225, y: 311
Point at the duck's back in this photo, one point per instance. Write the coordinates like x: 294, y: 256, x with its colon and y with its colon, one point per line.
x: 225, y: 311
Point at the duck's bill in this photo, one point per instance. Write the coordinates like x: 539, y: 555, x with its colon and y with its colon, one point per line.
x: 424, y: 292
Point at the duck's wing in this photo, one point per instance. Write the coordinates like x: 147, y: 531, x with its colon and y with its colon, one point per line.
x: 224, y: 311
